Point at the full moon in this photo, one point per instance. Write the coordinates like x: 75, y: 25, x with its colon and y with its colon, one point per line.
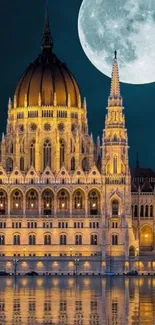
x: 127, y: 26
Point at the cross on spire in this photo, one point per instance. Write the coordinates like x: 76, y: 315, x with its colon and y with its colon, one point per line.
x: 47, y: 39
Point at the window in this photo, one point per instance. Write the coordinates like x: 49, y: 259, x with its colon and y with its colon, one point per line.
x: 142, y: 210
x: 47, y: 113
x: 47, y: 239
x: 78, y: 240
x: 63, y: 240
x: 146, y: 210
x: 93, y: 239
x: 114, y: 239
x: 9, y: 164
x: 16, y: 240
x: 22, y: 164
x: 32, y: 239
x: 151, y: 211
x: 114, y: 225
x: 115, y: 208
x: 78, y: 200
x: 32, y: 114
x: 85, y: 164
x: 136, y: 211
x: 16, y: 225
x: 2, y: 224
x: 93, y: 202
x: 47, y: 154
x: 63, y: 200
x: 115, y: 165
x: 72, y: 164
x: 32, y: 154
x: 20, y: 115
x: 47, y: 224
x: 2, y: 240
x: 32, y: 224
x: 93, y: 224
x: 63, y: 224
x: 78, y: 224
x: 62, y: 152
x: 32, y: 200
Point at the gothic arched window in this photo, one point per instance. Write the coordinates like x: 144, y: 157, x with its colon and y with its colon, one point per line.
x: 47, y: 154
x: 9, y: 164
x: 151, y: 211
x: 63, y: 239
x: 62, y: 153
x: 142, y: 210
x: 47, y: 239
x: 85, y: 164
x: 72, y: 164
x: 22, y: 163
x: 115, y: 165
x: 93, y: 239
x: 78, y: 202
x: 2, y: 240
x: 32, y: 154
x: 115, y: 208
x: 16, y: 240
x: 32, y: 239
x: 114, y: 239
x: 78, y: 239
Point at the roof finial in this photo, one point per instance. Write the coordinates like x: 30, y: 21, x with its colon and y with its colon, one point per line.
x: 115, y: 55
x: 47, y: 39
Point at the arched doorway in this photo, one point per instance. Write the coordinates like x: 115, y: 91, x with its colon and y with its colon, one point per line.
x: 146, y: 238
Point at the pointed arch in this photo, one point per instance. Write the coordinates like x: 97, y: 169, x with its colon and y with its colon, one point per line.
x: 94, y: 202
x: 62, y: 152
x: 146, y: 238
x: 47, y: 199
x: 32, y: 153
x: 73, y: 164
x: 47, y: 153
x: 85, y: 164
x: 22, y: 164
x: 9, y: 164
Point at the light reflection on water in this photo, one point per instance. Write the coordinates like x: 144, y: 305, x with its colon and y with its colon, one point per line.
x: 85, y: 301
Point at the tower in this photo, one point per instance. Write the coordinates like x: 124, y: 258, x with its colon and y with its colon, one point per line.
x: 119, y: 236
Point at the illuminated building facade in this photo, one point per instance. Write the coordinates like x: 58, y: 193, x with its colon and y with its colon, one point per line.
x: 63, y: 198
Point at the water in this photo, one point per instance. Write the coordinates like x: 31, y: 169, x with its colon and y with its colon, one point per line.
x: 81, y: 301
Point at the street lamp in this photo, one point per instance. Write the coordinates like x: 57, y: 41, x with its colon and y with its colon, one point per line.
x: 15, y: 263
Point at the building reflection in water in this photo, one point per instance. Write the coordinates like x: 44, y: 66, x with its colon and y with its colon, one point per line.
x: 82, y: 301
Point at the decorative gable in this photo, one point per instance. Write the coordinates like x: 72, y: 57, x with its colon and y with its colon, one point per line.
x: 47, y: 176
x: 16, y: 177
x: 32, y: 176
x: 63, y: 176
x: 79, y: 177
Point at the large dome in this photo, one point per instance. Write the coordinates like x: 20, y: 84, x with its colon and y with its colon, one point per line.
x: 47, y: 80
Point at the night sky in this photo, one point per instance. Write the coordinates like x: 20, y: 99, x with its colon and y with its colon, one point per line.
x: 21, y: 26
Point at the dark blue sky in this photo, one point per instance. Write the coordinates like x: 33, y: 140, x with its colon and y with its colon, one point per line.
x: 21, y: 26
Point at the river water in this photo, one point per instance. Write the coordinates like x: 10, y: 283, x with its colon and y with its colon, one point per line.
x: 77, y: 301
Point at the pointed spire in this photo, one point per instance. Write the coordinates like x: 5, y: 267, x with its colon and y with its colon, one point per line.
x: 9, y: 104
x: 115, y: 86
x: 85, y: 104
x: 115, y: 98
x: 47, y: 39
x: 137, y: 161
x: 39, y: 100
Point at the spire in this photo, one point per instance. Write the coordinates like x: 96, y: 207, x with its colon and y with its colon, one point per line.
x: 115, y: 98
x: 47, y: 39
x: 137, y: 161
